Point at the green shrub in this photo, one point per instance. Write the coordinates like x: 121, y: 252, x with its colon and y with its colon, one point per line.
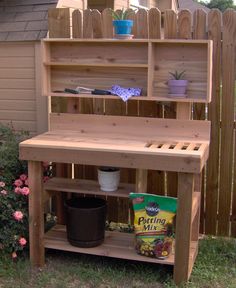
x: 10, y: 165
x: 13, y: 193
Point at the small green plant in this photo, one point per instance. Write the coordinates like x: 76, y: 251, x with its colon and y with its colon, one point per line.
x: 121, y: 14
x: 178, y: 75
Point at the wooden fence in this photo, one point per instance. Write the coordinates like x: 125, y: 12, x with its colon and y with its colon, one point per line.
x: 218, y: 212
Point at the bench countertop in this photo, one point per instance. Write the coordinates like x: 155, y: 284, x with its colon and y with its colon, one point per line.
x: 118, y: 144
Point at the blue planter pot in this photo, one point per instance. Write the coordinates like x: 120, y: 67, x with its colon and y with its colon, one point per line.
x: 123, y: 27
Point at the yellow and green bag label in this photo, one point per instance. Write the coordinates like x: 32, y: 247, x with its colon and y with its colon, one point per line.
x: 154, y: 224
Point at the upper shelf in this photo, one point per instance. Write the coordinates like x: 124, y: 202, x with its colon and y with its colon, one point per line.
x: 144, y: 63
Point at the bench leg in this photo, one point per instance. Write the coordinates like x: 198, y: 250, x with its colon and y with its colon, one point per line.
x: 36, y: 221
x: 196, y: 221
x: 182, y: 268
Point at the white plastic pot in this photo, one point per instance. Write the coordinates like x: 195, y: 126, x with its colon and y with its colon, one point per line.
x: 108, y: 178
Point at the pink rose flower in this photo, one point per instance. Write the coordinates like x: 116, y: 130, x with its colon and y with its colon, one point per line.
x: 17, y: 190
x: 18, y: 183
x: 18, y: 215
x: 22, y: 241
x: 27, y: 182
x: 23, y: 177
x: 14, y: 255
x: 25, y: 191
x: 4, y: 192
x: 2, y: 184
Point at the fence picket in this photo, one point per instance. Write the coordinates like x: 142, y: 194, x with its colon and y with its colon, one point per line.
x: 154, y: 23
x: 170, y: 24
x: 77, y: 24
x: 227, y: 122
x: 183, y: 110
x: 96, y: 24
x: 199, y: 32
x: 59, y: 22
x: 212, y: 180
x: 185, y: 24
x: 87, y: 24
x: 107, y: 28
x: 142, y: 24
x: 233, y: 217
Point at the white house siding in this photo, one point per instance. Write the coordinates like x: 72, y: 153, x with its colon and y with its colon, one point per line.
x: 19, y: 90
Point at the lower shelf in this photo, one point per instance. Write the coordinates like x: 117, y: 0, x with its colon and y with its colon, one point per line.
x: 116, y: 244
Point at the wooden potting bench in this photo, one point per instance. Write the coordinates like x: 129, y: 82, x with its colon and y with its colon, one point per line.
x: 179, y: 145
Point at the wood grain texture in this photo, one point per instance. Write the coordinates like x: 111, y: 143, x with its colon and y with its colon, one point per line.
x: 141, y: 181
x: 199, y: 24
x: 116, y: 244
x: 132, y: 16
x: 154, y: 17
x: 97, y: 24
x: 183, y: 228
x: 156, y: 179
x: 185, y: 24
x: 118, y: 146
x: 197, y: 213
x: 142, y: 24
x: 107, y: 28
x: 77, y: 24
x: 226, y: 152
x: 36, y: 221
x: 170, y: 24
x: 170, y: 32
x: 86, y: 105
x: 59, y: 22
x: 60, y: 28
x: 87, y: 24
x: 233, y: 218
x: 212, y: 180
x: 199, y: 32
x: 183, y: 110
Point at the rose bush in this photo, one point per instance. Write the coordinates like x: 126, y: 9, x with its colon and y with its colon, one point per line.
x: 14, y: 216
x: 14, y: 193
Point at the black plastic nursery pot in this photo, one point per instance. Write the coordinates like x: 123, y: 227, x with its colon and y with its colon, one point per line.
x: 85, y: 221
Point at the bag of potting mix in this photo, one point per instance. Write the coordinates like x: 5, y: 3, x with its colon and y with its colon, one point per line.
x: 154, y: 218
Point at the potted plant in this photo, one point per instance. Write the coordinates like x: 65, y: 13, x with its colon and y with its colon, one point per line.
x: 123, y: 26
x: 108, y: 178
x: 177, y: 85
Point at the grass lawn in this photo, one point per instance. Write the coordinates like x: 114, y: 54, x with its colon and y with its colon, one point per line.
x: 215, y: 267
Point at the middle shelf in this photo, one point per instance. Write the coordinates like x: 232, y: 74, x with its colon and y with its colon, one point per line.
x: 86, y: 187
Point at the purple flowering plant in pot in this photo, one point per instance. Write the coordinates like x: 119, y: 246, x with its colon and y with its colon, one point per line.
x: 177, y: 86
x: 122, y: 25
